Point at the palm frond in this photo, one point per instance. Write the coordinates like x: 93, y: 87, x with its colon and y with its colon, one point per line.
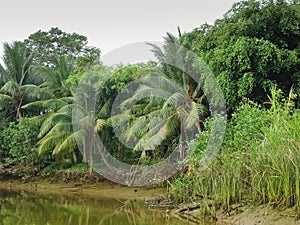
x: 50, y: 104
x: 100, y: 123
x: 4, y: 99
x: 175, y: 100
x: 67, y: 146
x: 52, y: 120
x: 157, y: 51
x: 160, y: 81
x: 67, y: 109
x: 38, y: 120
x: 9, y: 87
x: 153, y: 137
x: 48, y: 143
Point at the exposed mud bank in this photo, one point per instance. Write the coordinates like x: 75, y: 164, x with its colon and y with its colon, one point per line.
x: 92, y: 185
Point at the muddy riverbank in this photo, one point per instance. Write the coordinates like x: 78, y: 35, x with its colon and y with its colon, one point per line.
x: 92, y: 185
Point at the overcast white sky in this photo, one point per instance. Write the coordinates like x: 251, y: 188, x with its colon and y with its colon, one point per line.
x: 107, y: 24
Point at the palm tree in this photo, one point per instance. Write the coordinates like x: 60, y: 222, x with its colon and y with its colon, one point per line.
x: 55, y: 77
x: 167, y: 102
x: 18, y: 82
x: 57, y: 136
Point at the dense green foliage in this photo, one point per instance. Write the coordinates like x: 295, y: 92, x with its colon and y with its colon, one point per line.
x: 255, y: 46
x: 254, y: 51
x: 18, y: 143
x: 55, y: 42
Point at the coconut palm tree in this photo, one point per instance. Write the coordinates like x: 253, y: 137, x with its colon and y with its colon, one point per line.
x: 57, y: 136
x: 19, y: 84
x: 55, y: 119
x: 164, y: 104
x: 55, y: 77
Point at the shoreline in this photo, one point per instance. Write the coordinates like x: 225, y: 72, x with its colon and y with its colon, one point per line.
x: 152, y: 196
x: 96, y: 190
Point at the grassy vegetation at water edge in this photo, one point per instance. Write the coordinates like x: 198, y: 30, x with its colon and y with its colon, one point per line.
x: 259, y: 161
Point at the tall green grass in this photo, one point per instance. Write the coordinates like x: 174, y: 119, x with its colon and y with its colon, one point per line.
x: 258, y: 163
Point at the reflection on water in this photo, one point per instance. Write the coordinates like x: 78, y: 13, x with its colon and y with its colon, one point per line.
x: 21, y: 208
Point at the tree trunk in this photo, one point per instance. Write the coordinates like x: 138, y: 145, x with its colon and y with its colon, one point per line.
x: 19, y: 113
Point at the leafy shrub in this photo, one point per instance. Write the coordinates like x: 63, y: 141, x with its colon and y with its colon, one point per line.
x: 18, y: 142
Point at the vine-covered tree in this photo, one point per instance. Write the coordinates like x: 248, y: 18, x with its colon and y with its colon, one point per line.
x: 255, y: 46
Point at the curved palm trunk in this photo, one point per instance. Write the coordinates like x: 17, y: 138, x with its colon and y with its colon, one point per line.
x: 19, y: 111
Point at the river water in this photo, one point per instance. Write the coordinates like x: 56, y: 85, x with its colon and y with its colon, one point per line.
x: 23, y: 208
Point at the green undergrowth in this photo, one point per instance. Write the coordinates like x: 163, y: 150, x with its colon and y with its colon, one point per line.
x: 51, y: 169
x: 258, y: 162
